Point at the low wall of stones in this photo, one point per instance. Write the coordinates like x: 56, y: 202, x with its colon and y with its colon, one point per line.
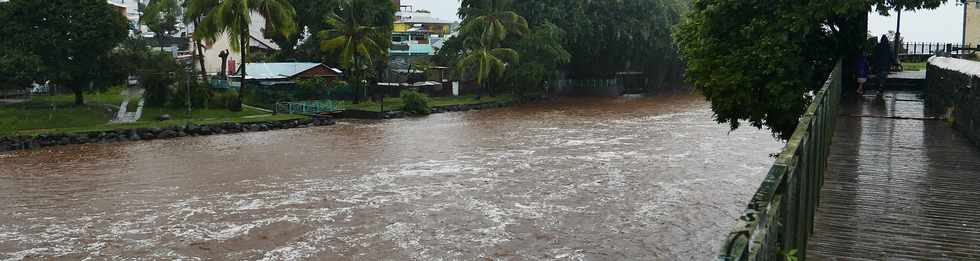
x: 953, y: 91
x: 189, y: 130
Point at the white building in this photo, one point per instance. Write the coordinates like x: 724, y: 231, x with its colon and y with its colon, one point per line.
x: 212, y: 60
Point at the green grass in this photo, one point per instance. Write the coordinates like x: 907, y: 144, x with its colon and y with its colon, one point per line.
x: 395, y: 104
x: 58, y: 114
x: 914, y: 66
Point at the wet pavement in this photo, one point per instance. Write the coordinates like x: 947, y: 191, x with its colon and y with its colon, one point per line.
x: 901, y: 185
x: 577, y: 179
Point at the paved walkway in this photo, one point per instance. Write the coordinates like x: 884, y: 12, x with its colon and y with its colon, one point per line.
x: 124, y: 116
x: 901, y: 185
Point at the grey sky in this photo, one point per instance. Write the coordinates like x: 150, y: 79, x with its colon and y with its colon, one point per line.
x: 443, y: 9
x: 941, y: 25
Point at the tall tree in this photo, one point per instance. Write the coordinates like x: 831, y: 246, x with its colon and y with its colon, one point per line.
x: 486, y: 24
x: 758, y: 67
x: 194, y: 13
x: 359, y: 38
x: 233, y: 18
x: 161, y: 16
x: 72, y: 39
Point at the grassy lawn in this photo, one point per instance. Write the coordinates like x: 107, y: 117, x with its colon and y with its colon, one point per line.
x: 914, y: 66
x: 395, y: 104
x: 58, y: 114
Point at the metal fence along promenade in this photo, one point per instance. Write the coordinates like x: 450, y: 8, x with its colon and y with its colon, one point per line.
x: 779, y: 219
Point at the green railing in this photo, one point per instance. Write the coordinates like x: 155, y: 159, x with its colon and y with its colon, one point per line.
x: 779, y: 219
x: 308, y: 107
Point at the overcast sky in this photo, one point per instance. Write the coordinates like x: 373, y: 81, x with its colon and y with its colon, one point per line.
x: 941, y: 25
x: 443, y: 9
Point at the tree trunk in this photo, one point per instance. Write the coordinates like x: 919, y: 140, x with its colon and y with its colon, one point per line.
x: 79, y: 97
x: 200, y: 55
x: 241, y: 90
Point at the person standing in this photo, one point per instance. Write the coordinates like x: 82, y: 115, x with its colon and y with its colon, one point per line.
x: 861, y: 71
x: 884, y: 58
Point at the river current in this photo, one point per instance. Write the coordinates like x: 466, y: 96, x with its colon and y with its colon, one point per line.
x: 575, y: 179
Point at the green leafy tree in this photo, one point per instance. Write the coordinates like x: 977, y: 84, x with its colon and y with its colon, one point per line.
x: 161, y: 16
x: 72, y: 39
x: 357, y: 40
x: 757, y: 67
x: 542, y: 55
x: 234, y: 18
x: 486, y: 24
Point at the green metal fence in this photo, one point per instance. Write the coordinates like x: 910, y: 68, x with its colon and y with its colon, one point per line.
x: 309, y: 107
x: 779, y: 219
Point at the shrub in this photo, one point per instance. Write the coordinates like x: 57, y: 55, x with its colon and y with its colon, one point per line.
x: 199, y: 96
x: 415, y: 102
x: 223, y: 100
x: 311, y: 89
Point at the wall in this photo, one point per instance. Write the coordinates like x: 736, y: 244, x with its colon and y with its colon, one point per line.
x: 953, y: 91
x: 972, y: 24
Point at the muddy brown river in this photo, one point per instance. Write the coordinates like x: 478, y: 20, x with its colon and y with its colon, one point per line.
x: 575, y: 179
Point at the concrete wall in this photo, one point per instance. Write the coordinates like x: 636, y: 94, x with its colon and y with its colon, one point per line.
x: 972, y: 24
x: 954, y: 91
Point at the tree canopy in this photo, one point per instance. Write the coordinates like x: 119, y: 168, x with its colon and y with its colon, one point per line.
x: 70, y: 40
x: 756, y: 61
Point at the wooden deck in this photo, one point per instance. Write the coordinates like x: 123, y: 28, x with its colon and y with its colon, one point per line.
x: 901, y: 185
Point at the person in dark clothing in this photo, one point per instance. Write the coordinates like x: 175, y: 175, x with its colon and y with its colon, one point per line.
x: 861, y: 71
x: 884, y: 58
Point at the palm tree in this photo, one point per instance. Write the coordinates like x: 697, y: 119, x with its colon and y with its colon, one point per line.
x: 195, y: 11
x: 357, y: 40
x: 234, y: 18
x: 485, y: 63
x: 491, y: 21
x: 488, y: 22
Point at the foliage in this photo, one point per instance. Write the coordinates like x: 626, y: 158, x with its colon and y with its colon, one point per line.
x: 233, y: 18
x: 158, y: 72
x: 20, y: 69
x: 359, y: 39
x: 161, y: 17
x: 542, y: 57
x: 223, y: 100
x: 72, y: 39
x: 312, y: 89
x: 200, y: 95
x: 758, y: 67
x: 416, y: 102
x: 485, y: 25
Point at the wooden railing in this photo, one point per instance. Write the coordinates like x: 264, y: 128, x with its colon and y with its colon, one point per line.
x: 779, y: 219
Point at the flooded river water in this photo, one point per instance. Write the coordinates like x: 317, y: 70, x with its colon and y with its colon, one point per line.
x: 576, y: 179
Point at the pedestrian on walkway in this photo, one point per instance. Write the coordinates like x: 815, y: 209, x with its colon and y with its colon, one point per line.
x: 884, y: 58
x: 861, y: 71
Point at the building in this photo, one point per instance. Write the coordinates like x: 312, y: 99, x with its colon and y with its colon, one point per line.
x: 286, y: 74
x: 213, y: 63
x: 973, y: 23
x: 122, y: 9
x: 422, y: 23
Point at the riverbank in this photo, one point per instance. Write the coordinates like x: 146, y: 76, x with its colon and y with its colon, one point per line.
x: 189, y: 126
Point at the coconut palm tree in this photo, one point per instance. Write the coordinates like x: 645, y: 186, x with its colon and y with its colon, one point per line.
x: 357, y: 40
x: 234, y: 18
x: 487, y: 23
x: 491, y: 21
x: 484, y: 63
x: 195, y: 11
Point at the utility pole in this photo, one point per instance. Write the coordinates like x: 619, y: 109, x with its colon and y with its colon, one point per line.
x: 898, y: 31
x: 965, y: 4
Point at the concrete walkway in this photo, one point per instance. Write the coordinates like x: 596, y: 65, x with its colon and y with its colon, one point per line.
x: 901, y: 185
x: 124, y: 116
